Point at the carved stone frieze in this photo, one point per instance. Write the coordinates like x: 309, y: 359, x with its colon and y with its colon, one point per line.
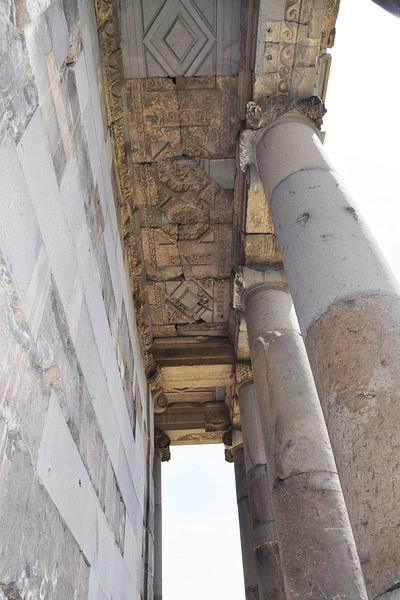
x: 182, y: 117
x: 289, y: 50
x: 206, y: 437
x: 113, y: 85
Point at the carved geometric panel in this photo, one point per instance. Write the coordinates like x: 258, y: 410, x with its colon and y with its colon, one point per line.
x: 188, y: 302
x: 186, y: 231
x: 186, y: 221
x: 180, y: 38
x: 195, y: 116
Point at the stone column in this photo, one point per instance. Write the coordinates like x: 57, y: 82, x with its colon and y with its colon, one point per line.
x: 235, y: 454
x: 161, y: 453
x: 318, y: 554
x: 348, y: 307
x: 265, y: 542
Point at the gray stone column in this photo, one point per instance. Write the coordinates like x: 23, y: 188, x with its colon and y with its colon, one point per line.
x: 265, y: 542
x: 348, y: 307
x: 318, y: 553
x: 157, y: 527
x: 235, y: 454
x: 161, y: 453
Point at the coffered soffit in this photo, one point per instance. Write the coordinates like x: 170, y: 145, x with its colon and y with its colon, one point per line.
x: 176, y: 76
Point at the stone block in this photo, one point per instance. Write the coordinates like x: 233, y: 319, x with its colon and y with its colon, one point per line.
x: 133, y: 499
x: 35, y: 8
x: 71, y: 200
x: 19, y: 96
x: 93, y: 374
x: 91, y: 138
x: 66, y: 479
x: 131, y: 549
x: 38, y: 292
x: 20, y: 239
x: 58, y: 32
x: 180, y: 39
x: 82, y: 83
x: 38, y: 42
x: 38, y: 168
x: 114, y: 270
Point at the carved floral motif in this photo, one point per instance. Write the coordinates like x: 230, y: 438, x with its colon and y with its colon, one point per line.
x: 268, y: 110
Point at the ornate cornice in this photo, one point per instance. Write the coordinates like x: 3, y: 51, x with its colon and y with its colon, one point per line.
x: 114, y: 92
x: 202, y: 437
x: 269, y: 109
x: 161, y: 445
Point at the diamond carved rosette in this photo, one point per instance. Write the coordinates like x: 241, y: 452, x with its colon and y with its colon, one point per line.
x: 178, y: 39
x: 187, y: 242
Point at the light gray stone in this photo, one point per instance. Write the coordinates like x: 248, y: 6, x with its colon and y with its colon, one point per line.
x: 58, y: 32
x: 82, y: 83
x: 317, y: 222
x: 116, y: 275
x: 18, y: 96
x: 38, y: 44
x: 38, y: 292
x: 39, y: 172
x: 20, y: 239
x: 65, y: 477
x: 180, y: 39
x: 91, y: 137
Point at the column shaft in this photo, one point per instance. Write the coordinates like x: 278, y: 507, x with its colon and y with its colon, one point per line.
x: 157, y: 527
x: 265, y: 542
x: 248, y: 557
x: 319, y: 557
x: 348, y: 306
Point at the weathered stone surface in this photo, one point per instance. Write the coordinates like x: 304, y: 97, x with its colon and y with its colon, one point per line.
x: 18, y: 97
x: 355, y: 368
x: 328, y: 557
x: 301, y: 466
x: 195, y: 116
x: 66, y: 293
x: 182, y: 38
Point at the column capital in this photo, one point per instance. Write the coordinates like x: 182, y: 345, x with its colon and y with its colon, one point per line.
x: 246, y: 279
x: 161, y: 445
x: 243, y: 375
x: 269, y: 110
x: 268, y: 113
x: 233, y: 441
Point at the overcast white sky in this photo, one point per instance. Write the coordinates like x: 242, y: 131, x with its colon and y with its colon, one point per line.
x: 201, y: 558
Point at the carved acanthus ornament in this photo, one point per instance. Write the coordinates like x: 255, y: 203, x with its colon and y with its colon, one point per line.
x: 113, y: 85
x: 269, y: 109
x: 244, y: 375
x: 161, y: 445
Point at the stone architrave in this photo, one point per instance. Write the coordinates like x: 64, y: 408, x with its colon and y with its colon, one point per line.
x: 348, y: 306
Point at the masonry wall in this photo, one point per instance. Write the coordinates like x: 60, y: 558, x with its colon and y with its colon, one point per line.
x: 76, y: 496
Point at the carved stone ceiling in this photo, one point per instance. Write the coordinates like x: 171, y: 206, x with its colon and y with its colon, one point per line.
x: 175, y: 113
